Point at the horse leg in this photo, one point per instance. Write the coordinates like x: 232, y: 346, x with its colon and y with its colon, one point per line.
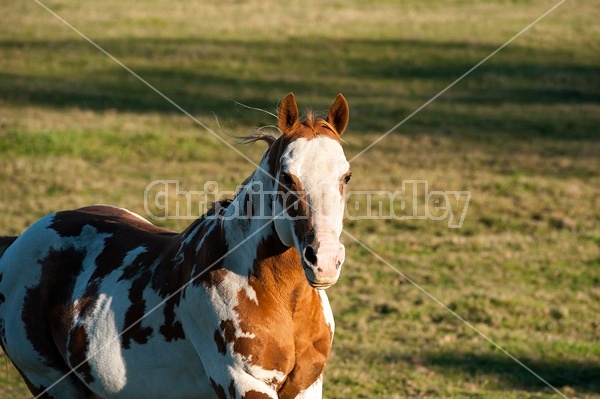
x: 45, y: 372
x: 51, y: 383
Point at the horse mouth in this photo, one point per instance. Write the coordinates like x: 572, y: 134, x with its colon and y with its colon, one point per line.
x: 315, y: 284
x: 320, y: 286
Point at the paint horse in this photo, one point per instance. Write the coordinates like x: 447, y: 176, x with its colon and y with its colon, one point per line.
x: 99, y: 303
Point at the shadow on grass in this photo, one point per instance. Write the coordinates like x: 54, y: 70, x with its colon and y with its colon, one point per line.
x: 384, y: 80
x: 581, y: 376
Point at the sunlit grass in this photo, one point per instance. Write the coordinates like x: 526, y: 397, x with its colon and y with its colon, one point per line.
x: 520, y: 133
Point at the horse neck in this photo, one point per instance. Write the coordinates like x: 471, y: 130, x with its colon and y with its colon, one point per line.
x: 273, y: 269
x: 230, y: 235
x: 240, y: 241
x: 248, y: 223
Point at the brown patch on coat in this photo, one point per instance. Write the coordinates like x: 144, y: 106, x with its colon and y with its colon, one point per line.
x: 172, y: 329
x: 296, y: 203
x: 47, y: 313
x: 255, y: 395
x: 123, y: 215
x: 214, y: 277
x: 51, y: 297
x: 221, y: 345
x: 228, y: 328
x: 208, y: 269
x: 219, y: 390
x: 133, y: 330
x: 231, y: 389
x: 238, y: 344
x: 78, y: 352
x: 103, y: 218
x: 290, y: 331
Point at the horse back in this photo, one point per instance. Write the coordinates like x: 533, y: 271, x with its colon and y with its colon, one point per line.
x: 67, y: 270
x: 71, y: 252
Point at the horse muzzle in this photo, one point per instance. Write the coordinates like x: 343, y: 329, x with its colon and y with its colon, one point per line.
x: 322, y: 263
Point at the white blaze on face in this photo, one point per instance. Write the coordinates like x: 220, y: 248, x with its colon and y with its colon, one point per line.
x: 319, y: 163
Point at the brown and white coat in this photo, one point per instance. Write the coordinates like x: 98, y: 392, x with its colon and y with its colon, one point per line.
x: 99, y: 303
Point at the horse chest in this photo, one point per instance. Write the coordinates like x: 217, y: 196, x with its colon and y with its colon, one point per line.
x: 282, y: 338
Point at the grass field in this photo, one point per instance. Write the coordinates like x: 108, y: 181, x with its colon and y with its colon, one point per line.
x: 521, y: 133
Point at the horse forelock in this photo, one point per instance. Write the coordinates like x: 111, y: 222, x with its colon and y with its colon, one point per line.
x: 317, y: 126
x: 312, y: 125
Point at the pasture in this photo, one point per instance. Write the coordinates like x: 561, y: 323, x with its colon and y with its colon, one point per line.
x: 521, y: 133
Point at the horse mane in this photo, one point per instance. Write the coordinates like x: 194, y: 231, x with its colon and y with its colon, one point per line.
x: 216, y: 206
x: 257, y: 135
x: 312, y: 120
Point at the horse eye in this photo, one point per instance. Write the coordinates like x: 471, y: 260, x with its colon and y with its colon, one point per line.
x: 347, y: 179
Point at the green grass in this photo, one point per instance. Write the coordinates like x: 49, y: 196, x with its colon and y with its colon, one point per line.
x: 520, y: 133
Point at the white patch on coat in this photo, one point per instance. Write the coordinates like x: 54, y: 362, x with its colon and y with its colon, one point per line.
x: 160, y: 370
x: 244, y: 235
x: 200, y: 328
x: 327, y: 312
x: 315, y: 391
x: 104, y: 346
x: 104, y: 324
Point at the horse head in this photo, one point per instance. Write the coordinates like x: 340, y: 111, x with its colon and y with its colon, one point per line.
x: 312, y: 172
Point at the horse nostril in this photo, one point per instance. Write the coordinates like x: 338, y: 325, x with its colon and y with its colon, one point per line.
x: 310, y: 256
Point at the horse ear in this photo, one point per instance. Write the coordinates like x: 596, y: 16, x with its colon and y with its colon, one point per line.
x: 338, y: 114
x: 288, y: 114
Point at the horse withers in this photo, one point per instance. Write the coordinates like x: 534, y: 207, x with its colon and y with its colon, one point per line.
x: 99, y: 303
